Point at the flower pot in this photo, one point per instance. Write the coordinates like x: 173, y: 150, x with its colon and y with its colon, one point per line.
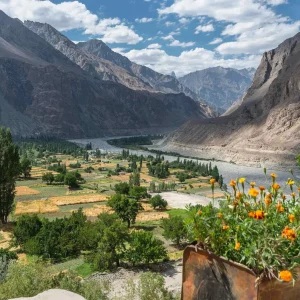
x: 207, y: 276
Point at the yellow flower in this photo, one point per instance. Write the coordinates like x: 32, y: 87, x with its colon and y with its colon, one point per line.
x: 242, y: 180
x: 232, y: 183
x: 237, y: 246
x: 290, y: 182
x: 292, y: 218
x: 220, y: 215
x: 286, y: 275
x: 268, y: 200
x: 273, y: 175
x: 252, y: 183
x: 199, y: 213
x: 225, y: 227
x: 251, y: 214
x: 253, y: 192
x: 212, y: 181
x: 293, y: 195
x: 276, y: 186
x: 239, y: 195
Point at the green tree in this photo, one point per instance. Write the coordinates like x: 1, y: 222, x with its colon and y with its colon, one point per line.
x: 138, y: 192
x: 125, y: 207
x: 71, y: 180
x: 122, y: 188
x: 157, y: 202
x: 9, y: 172
x: 27, y: 227
x: 174, y: 229
x: 112, y: 244
x: 134, y: 179
x: 59, y: 178
x: 145, y: 248
x: 48, y: 177
x: 25, y: 167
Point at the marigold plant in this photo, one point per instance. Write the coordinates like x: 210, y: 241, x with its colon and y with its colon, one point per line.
x: 257, y: 227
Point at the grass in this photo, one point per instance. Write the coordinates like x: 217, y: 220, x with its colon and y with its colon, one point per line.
x: 84, y: 270
x: 1, y: 237
x: 178, y: 212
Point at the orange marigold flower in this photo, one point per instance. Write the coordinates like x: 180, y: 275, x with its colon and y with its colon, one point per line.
x: 235, y: 203
x: 239, y: 195
x: 299, y: 189
x: 293, y: 195
x: 279, y: 207
x: 259, y: 215
x: 273, y: 175
x: 292, y: 218
x: 286, y: 275
x: 253, y: 192
x: 237, y: 246
x: 268, y: 200
x: 251, y: 214
x: 252, y: 183
x: 232, y: 183
x: 262, y: 188
x: 276, y: 186
x: 212, y: 181
x: 220, y: 215
x: 199, y: 213
x: 225, y: 227
x: 283, y: 197
x: 289, y: 233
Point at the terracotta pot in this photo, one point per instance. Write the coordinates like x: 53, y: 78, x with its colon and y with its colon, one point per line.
x: 207, y: 276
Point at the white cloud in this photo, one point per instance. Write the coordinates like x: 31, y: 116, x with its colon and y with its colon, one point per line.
x: 176, y: 43
x: 184, y: 21
x: 76, y: 42
x: 168, y: 24
x: 144, y: 20
x: 188, y: 61
x: 154, y: 46
x: 216, y: 41
x: 254, y: 25
x: 168, y: 37
x: 204, y: 28
x: 258, y: 40
x: 69, y: 15
x: 119, y: 50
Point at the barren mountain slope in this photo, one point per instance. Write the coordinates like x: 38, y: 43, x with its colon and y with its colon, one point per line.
x: 45, y: 92
x: 265, y: 128
x: 220, y: 87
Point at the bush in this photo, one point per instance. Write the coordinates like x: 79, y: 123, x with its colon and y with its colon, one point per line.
x: 48, y: 178
x: 145, y: 248
x: 174, y: 229
x: 72, y: 178
x: 138, y: 192
x: 6, y: 257
x: 59, y: 178
x: 158, y: 202
x: 75, y: 166
x: 122, y: 188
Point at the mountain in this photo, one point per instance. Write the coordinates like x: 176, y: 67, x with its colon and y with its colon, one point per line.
x: 219, y: 87
x: 43, y: 91
x: 98, y: 59
x: 264, y: 130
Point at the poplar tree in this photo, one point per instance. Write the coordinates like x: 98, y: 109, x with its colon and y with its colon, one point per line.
x: 9, y: 172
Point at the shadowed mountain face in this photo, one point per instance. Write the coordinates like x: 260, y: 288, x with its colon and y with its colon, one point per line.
x: 265, y: 128
x: 43, y: 91
x: 219, y: 87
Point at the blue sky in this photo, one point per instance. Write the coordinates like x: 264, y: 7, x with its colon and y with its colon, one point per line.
x: 172, y: 35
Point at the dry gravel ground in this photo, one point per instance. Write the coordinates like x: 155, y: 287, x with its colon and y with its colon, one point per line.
x: 54, y: 294
x: 171, y: 271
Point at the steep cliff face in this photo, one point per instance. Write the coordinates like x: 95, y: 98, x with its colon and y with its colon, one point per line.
x: 265, y: 128
x: 42, y: 91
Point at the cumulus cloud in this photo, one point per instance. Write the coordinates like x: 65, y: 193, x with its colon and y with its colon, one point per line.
x: 144, y: 20
x: 216, y: 41
x: 254, y: 25
x: 70, y: 15
x: 176, y: 43
x: 188, y: 61
x: 154, y: 46
x: 204, y: 28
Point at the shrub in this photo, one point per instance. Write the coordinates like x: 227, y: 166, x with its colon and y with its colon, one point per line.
x: 145, y: 248
x: 48, y: 177
x: 174, y: 229
x: 157, y: 202
x: 122, y: 188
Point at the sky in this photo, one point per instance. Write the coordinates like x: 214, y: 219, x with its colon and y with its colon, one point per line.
x: 180, y: 36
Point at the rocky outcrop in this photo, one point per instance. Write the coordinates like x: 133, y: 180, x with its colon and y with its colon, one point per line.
x: 43, y: 91
x: 265, y: 128
x: 54, y: 294
x: 219, y: 87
